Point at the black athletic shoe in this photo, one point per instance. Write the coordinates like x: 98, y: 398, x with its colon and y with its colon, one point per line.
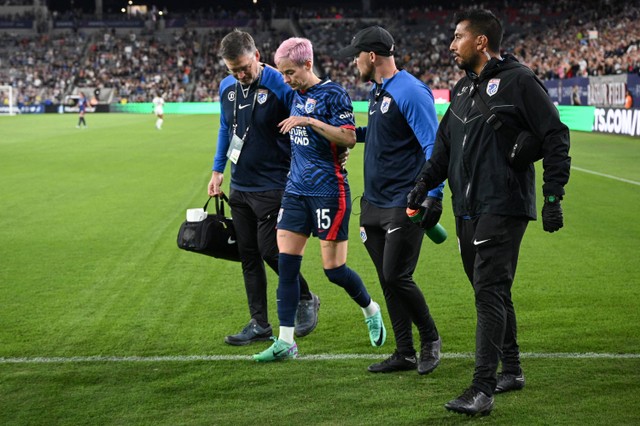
x: 307, y: 316
x: 471, y: 402
x: 429, y: 356
x: 509, y: 382
x: 395, y: 362
x: 251, y: 333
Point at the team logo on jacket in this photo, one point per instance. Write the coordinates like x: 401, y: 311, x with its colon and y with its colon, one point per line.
x: 384, y: 107
x: 492, y: 87
x: 309, y: 106
x: 231, y: 96
x: 262, y: 96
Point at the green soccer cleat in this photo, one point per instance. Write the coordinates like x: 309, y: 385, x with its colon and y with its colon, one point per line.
x: 377, y: 332
x: 279, y: 350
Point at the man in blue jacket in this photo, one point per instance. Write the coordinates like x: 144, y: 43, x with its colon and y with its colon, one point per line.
x: 398, y: 139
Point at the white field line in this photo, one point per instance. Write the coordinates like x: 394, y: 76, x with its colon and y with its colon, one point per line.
x: 319, y: 357
x: 633, y: 182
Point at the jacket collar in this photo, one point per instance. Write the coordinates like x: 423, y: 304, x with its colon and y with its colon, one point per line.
x: 493, y: 67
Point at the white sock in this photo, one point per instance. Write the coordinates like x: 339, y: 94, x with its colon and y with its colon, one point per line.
x: 371, y: 310
x: 159, y: 123
x: 286, y: 334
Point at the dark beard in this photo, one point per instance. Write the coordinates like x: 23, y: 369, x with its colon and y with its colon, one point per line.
x: 467, y: 65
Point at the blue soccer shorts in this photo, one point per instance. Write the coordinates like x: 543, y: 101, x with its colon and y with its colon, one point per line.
x: 324, y: 217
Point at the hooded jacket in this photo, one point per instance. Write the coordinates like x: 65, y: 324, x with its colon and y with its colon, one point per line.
x: 473, y: 156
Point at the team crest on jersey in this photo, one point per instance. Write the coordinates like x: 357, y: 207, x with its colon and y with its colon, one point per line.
x: 492, y: 87
x: 309, y: 106
x: 384, y: 107
x: 231, y: 96
x: 262, y: 96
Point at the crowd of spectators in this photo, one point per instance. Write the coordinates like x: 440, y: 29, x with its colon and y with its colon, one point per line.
x: 137, y: 67
x: 557, y: 40
x: 587, y: 43
x: 40, y: 68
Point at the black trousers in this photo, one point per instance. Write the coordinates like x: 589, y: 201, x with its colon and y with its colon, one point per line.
x: 489, y: 245
x: 394, y: 243
x: 254, y: 217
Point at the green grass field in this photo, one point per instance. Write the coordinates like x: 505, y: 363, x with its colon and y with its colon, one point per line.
x: 104, y: 320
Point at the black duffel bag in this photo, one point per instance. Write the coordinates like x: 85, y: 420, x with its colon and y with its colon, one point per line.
x: 213, y: 236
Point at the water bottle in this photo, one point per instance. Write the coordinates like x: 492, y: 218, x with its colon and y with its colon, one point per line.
x: 437, y: 234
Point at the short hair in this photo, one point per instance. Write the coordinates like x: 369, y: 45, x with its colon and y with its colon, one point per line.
x: 237, y: 43
x: 298, y: 50
x: 483, y: 22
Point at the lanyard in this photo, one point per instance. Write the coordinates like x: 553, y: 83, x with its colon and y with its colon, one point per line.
x: 253, y: 105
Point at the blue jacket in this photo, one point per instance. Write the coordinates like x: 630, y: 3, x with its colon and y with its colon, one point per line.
x: 266, y: 154
x: 399, y: 138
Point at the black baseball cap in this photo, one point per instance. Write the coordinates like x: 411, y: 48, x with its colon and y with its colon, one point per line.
x: 371, y: 39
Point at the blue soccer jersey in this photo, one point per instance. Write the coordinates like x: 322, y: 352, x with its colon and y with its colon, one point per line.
x: 82, y: 105
x: 315, y: 169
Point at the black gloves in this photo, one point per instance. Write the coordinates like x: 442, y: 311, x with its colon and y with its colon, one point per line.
x: 432, y: 206
x: 432, y: 212
x: 552, y: 213
x: 417, y: 195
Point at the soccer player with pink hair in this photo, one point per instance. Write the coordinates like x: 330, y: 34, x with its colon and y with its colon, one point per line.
x: 317, y: 198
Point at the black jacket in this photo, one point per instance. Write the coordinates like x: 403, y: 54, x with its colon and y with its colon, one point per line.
x: 473, y: 156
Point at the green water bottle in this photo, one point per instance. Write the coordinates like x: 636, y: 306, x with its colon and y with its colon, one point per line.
x: 437, y: 234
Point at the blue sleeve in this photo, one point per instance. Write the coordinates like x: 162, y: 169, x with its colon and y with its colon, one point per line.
x: 418, y: 108
x: 220, y: 159
x: 275, y: 82
x: 341, y: 108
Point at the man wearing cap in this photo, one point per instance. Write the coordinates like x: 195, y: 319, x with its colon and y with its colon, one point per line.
x: 398, y: 138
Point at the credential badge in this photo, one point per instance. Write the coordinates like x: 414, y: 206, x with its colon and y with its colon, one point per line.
x: 492, y: 87
x: 309, y: 106
x: 262, y: 96
x: 384, y: 107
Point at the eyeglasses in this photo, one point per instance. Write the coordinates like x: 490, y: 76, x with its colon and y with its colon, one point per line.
x: 245, y: 69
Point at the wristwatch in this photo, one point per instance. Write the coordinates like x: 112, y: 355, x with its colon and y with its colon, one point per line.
x: 552, y: 198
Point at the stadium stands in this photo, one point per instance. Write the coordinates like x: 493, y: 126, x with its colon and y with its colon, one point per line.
x: 178, y: 57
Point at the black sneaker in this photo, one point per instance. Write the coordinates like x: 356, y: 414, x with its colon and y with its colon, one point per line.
x: 509, y: 382
x: 251, y: 333
x: 471, y: 402
x: 429, y: 356
x: 395, y: 362
x: 307, y: 316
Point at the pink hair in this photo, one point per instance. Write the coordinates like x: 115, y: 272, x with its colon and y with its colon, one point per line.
x: 297, y: 50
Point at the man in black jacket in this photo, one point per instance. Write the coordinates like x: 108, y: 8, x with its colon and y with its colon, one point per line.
x: 493, y: 194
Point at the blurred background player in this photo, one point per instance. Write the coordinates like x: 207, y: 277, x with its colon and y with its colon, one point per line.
x: 254, y: 99
x: 158, y: 110
x: 83, y: 103
x: 317, y: 199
